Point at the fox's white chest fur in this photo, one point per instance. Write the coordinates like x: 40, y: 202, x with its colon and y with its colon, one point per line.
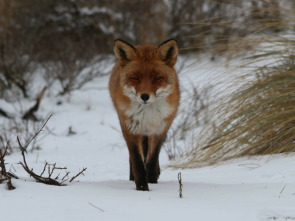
x: 147, y: 119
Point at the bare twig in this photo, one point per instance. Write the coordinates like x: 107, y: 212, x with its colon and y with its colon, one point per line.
x: 9, y: 184
x: 12, y: 175
x: 25, y: 147
x: 96, y: 207
x: 44, y: 169
x: 51, y: 168
x: 282, y: 191
x: 180, y: 185
x: 78, y: 174
x: 2, y: 162
x: 4, y: 175
x: 66, y: 175
x: 38, y: 178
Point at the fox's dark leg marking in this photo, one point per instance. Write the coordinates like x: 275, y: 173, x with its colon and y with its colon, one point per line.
x: 138, y: 168
x: 152, y: 166
x: 131, y: 176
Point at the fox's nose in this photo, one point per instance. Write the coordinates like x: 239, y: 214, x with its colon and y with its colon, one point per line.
x: 145, y: 97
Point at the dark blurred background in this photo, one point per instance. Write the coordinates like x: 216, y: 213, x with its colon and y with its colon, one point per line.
x: 65, y: 36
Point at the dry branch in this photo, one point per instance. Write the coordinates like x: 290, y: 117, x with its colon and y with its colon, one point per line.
x: 24, y: 148
x: 51, y: 168
x: 39, y: 178
x: 78, y: 174
x: 4, y: 175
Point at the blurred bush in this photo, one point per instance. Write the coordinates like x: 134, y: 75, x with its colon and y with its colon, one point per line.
x: 47, y: 27
x: 254, y: 114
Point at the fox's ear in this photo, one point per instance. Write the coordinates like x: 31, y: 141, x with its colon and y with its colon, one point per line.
x: 125, y: 52
x: 167, y: 52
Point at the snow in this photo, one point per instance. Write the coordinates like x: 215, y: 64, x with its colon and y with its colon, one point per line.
x: 246, y: 189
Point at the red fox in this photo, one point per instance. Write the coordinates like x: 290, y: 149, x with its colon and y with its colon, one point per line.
x: 145, y: 92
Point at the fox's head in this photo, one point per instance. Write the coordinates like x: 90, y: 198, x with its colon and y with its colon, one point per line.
x: 147, y: 72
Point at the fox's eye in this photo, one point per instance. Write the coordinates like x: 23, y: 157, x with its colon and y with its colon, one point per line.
x: 157, y: 78
x: 134, y: 78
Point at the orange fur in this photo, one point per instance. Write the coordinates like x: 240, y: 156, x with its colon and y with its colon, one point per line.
x: 145, y: 92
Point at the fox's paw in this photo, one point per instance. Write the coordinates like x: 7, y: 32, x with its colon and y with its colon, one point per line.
x: 142, y: 187
x: 153, y: 179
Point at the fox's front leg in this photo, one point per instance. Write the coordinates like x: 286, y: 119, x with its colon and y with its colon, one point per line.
x: 138, y: 168
x: 152, y: 163
x: 131, y: 176
x: 138, y: 172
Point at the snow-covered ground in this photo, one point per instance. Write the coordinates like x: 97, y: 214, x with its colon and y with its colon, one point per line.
x: 246, y: 189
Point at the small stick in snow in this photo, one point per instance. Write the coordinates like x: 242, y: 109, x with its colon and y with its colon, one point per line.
x: 282, y: 191
x: 180, y: 185
x: 96, y: 207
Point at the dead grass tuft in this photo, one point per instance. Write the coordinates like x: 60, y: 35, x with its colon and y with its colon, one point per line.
x: 256, y: 116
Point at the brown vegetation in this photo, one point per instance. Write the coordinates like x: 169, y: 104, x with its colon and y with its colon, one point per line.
x: 256, y: 115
